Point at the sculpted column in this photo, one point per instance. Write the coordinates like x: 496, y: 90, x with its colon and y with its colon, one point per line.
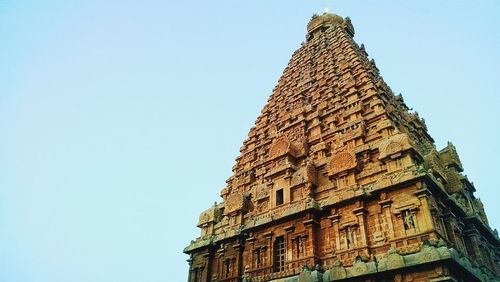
x: 220, y: 255
x: 310, y: 225
x: 239, y: 248
x: 209, y: 259
x: 269, y: 237
x: 361, y: 214
x: 335, y: 225
x: 250, y: 242
x: 288, y: 238
x: 426, y: 216
x: 385, y: 205
x: 473, y: 236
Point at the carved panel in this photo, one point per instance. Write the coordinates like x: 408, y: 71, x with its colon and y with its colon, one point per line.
x: 342, y: 161
x: 234, y: 202
x: 279, y: 148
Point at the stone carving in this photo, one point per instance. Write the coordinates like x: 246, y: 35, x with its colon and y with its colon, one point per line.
x: 305, y: 275
x: 317, y: 274
x: 234, y: 202
x: 394, y: 259
x: 245, y: 178
x: 428, y: 254
x: 299, y: 148
x: 394, y: 144
x: 433, y: 162
x: 342, y: 161
x: 298, y: 178
x: 454, y: 182
x: 479, y: 207
x: 294, y: 134
x: 279, y: 148
x: 393, y: 148
x: 261, y: 191
x: 449, y: 156
x: 213, y: 214
x: 359, y: 268
x: 337, y: 272
x: 332, y: 138
x: 463, y: 202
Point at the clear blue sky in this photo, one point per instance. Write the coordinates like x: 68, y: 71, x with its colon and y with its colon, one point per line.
x: 120, y: 120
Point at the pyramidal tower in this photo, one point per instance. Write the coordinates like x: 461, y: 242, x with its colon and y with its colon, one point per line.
x: 339, y: 181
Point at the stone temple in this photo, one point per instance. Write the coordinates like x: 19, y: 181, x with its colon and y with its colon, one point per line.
x: 339, y: 181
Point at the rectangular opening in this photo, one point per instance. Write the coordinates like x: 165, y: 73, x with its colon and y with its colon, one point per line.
x: 279, y: 197
x: 279, y: 254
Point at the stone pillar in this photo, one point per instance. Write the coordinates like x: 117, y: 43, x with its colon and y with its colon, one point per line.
x: 378, y: 236
x: 288, y: 237
x: 269, y: 237
x: 335, y: 225
x: 220, y: 264
x: 310, y: 225
x: 239, y: 248
x: 386, y: 213
x: 251, y: 243
x: 473, y: 236
x: 208, y: 257
x: 327, y: 231
x: 361, y: 215
x: 425, y: 211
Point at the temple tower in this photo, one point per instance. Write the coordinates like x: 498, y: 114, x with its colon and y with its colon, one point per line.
x: 338, y: 180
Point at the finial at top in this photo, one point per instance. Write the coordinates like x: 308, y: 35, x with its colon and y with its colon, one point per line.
x: 325, y: 19
x: 328, y: 19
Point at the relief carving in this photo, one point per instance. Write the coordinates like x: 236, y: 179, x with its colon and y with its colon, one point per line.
x: 279, y: 148
x: 312, y: 174
x: 394, y: 144
x: 331, y: 138
x: 234, y: 202
x: 394, y: 259
x: 261, y: 191
x: 342, y: 161
x: 359, y: 268
x: 337, y: 271
x: 428, y: 254
x: 433, y: 162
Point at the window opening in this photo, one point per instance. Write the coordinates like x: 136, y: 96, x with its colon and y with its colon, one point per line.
x: 279, y: 197
x: 279, y: 254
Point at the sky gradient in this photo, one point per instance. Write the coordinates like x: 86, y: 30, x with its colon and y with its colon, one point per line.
x: 120, y: 120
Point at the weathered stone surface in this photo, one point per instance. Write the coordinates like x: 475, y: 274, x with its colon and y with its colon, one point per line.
x: 305, y: 276
x: 337, y: 272
x: 337, y: 172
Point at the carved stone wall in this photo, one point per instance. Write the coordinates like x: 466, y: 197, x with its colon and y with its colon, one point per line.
x: 338, y: 179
